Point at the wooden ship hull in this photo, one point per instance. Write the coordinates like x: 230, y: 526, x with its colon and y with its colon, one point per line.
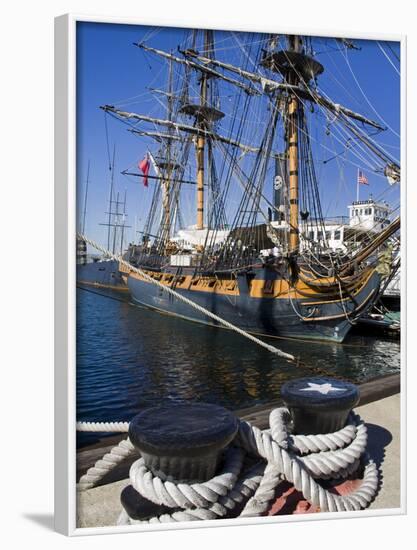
x: 102, y: 274
x: 262, y: 302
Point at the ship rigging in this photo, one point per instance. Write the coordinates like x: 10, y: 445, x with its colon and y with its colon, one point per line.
x: 305, y: 289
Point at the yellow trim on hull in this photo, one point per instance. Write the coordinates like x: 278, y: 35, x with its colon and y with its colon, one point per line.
x: 101, y: 285
x: 340, y: 315
x: 274, y: 288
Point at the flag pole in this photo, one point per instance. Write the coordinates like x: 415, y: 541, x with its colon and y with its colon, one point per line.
x: 357, y: 186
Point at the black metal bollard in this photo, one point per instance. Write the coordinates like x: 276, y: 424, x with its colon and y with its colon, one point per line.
x: 319, y: 405
x: 182, y: 443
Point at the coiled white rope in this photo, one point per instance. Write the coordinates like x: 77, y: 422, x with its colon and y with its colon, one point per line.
x: 298, y: 459
x: 102, y: 427
x: 187, y: 301
x: 103, y: 466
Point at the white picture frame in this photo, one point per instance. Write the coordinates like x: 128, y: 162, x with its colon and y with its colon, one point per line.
x: 65, y: 283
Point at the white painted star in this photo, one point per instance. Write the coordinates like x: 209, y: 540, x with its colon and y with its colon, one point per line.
x: 321, y: 388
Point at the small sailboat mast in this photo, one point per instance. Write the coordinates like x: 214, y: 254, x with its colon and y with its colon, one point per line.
x: 85, y: 198
x: 111, y: 198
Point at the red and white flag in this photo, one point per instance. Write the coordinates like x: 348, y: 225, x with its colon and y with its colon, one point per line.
x: 144, y: 166
x: 362, y: 178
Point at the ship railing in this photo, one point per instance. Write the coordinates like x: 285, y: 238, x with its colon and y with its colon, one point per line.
x: 332, y: 220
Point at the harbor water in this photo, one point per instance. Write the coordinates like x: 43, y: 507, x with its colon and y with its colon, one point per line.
x: 130, y: 357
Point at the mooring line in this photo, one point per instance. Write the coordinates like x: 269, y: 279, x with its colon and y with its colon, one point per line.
x: 224, y: 324
x: 187, y: 301
x: 286, y: 338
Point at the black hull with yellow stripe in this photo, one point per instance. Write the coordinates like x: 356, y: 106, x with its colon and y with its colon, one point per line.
x: 101, y: 274
x: 264, y: 302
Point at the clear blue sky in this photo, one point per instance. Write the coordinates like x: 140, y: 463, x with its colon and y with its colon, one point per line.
x: 110, y: 70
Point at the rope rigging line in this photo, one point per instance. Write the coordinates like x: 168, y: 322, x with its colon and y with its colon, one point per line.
x: 366, y: 98
x: 308, y: 169
x: 311, y: 197
x: 107, y: 140
x: 239, y: 133
x: 397, y: 57
x: 325, y: 111
x: 390, y: 62
x: 213, y: 236
x: 274, y: 336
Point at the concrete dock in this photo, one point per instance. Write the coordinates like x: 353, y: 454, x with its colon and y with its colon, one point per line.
x: 379, y: 408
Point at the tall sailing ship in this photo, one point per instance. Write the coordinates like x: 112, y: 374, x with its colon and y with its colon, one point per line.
x: 252, y: 255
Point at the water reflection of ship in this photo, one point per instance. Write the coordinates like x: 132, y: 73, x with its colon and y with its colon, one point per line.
x: 179, y: 371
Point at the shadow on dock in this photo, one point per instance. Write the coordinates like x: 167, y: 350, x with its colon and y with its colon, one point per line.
x: 378, y: 439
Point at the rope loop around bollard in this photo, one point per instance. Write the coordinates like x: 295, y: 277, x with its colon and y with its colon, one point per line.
x: 273, y: 456
x: 196, y: 495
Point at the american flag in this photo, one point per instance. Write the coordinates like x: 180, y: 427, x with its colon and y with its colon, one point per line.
x: 362, y: 178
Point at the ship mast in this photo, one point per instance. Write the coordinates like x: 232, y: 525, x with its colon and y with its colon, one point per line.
x: 166, y: 182
x: 292, y: 152
x: 203, y: 113
x: 297, y: 68
x: 201, y: 141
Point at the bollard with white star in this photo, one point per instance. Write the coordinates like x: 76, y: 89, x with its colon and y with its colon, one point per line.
x: 319, y: 405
